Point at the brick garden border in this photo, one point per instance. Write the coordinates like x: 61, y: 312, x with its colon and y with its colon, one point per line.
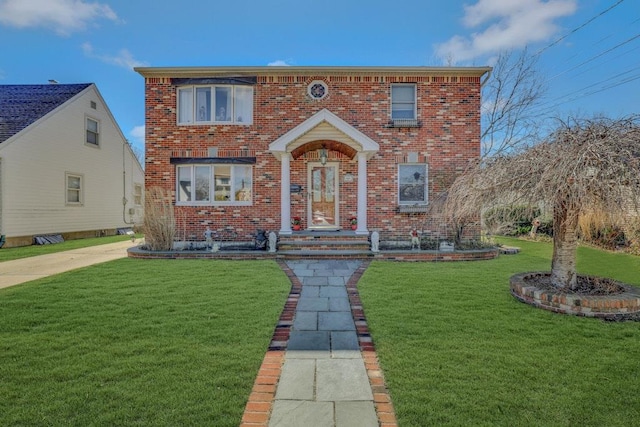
x: 258, y: 408
x: 388, y: 255
x: 615, y: 307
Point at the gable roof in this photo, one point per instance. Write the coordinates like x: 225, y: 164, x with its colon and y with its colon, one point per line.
x: 318, y: 126
x: 22, y: 105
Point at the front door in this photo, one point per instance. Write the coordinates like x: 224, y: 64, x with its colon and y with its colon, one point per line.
x: 323, y: 196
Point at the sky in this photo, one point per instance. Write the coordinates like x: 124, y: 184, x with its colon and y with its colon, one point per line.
x: 589, y: 50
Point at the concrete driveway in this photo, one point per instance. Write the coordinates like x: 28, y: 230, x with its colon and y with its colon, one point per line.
x: 32, y: 268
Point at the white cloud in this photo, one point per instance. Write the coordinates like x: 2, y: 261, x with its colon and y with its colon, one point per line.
x: 504, y: 24
x: 137, y: 134
x: 136, y: 139
x: 278, y: 63
x: 62, y: 16
x: 124, y: 58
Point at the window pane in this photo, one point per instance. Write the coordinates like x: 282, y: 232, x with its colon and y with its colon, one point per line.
x: 73, y: 196
x: 184, y: 183
x: 92, y: 137
x: 202, y: 183
x: 222, y: 177
x: 223, y: 104
x: 412, y: 184
x: 244, y: 104
x: 73, y: 182
x: 242, y: 183
x: 402, y: 93
x: 185, y: 105
x: 92, y: 125
x: 203, y: 104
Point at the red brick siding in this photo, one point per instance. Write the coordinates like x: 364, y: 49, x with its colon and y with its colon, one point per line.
x: 448, y: 107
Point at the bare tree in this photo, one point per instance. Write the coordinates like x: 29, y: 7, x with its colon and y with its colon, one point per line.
x: 509, y: 97
x: 582, y: 166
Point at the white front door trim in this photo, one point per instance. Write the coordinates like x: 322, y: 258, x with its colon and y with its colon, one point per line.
x: 282, y: 147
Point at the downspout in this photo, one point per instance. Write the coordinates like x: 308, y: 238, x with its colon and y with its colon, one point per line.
x: 124, y: 188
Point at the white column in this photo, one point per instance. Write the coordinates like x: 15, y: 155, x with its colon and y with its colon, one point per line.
x: 362, y: 194
x: 285, y: 194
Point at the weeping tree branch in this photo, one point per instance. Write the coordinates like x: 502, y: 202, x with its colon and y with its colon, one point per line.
x: 583, y: 165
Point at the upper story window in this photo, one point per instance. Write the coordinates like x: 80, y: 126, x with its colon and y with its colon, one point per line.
x: 92, y: 131
x: 215, y: 104
x: 403, y: 101
x: 412, y: 184
x: 404, y: 111
x: 208, y: 184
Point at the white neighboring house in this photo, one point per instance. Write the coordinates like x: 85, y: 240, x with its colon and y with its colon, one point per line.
x: 65, y: 166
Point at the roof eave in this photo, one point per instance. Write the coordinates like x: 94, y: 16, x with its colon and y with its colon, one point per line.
x: 310, y: 70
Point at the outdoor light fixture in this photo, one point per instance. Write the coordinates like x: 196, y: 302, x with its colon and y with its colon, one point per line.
x: 323, y: 156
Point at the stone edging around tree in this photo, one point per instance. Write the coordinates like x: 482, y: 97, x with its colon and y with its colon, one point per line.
x: 620, y: 306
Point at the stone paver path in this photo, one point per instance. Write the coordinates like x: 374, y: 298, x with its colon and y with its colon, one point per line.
x: 324, y: 377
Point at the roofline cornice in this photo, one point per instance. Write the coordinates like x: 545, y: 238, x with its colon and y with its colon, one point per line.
x: 307, y: 70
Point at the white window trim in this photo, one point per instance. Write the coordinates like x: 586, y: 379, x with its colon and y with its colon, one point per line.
x: 86, y: 129
x: 137, y: 185
x: 426, y: 186
x: 415, y: 101
x: 212, y: 201
x: 68, y: 175
x: 213, y: 106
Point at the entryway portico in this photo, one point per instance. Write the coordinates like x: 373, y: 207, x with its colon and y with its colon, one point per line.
x: 323, y: 130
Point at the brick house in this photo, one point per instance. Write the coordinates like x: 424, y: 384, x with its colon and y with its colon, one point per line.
x: 246, y: 148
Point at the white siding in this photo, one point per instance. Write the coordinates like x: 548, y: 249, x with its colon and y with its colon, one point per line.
x: 35, y: 162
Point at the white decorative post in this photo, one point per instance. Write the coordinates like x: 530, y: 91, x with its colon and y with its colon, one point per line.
x: 362, y: 194
x: 285, y: 194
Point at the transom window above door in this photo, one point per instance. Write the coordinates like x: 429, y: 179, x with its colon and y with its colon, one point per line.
x: 232, y: 104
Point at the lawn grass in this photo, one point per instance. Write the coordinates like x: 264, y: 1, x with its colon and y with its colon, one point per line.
x: 7, y: 254
x: 137, y: 342
x: 457, y: 349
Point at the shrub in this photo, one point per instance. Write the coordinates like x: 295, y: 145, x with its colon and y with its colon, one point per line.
x: 159, y: 220
x: 512, y: 220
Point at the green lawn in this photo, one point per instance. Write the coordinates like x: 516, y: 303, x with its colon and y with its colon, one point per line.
x: 457, y: 349
x: 179, y: 342
x: 137, y: 342
x: 7, y: 254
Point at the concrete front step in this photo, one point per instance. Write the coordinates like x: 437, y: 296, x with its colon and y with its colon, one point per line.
x: 290, y: 245
x: 324, y: 254
x: 324, y: 241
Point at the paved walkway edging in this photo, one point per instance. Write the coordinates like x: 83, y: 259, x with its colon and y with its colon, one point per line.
x: 260, y: 403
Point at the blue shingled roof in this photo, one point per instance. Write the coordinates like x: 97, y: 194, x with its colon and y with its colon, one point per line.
x: 21, y: 105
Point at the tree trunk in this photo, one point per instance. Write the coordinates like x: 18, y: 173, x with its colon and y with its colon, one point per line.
x: 565, y: 245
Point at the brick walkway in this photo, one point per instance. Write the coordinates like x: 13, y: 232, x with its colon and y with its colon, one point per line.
x: 314, y: 348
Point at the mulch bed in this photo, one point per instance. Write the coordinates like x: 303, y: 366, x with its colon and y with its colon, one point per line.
x: 587, y: 285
